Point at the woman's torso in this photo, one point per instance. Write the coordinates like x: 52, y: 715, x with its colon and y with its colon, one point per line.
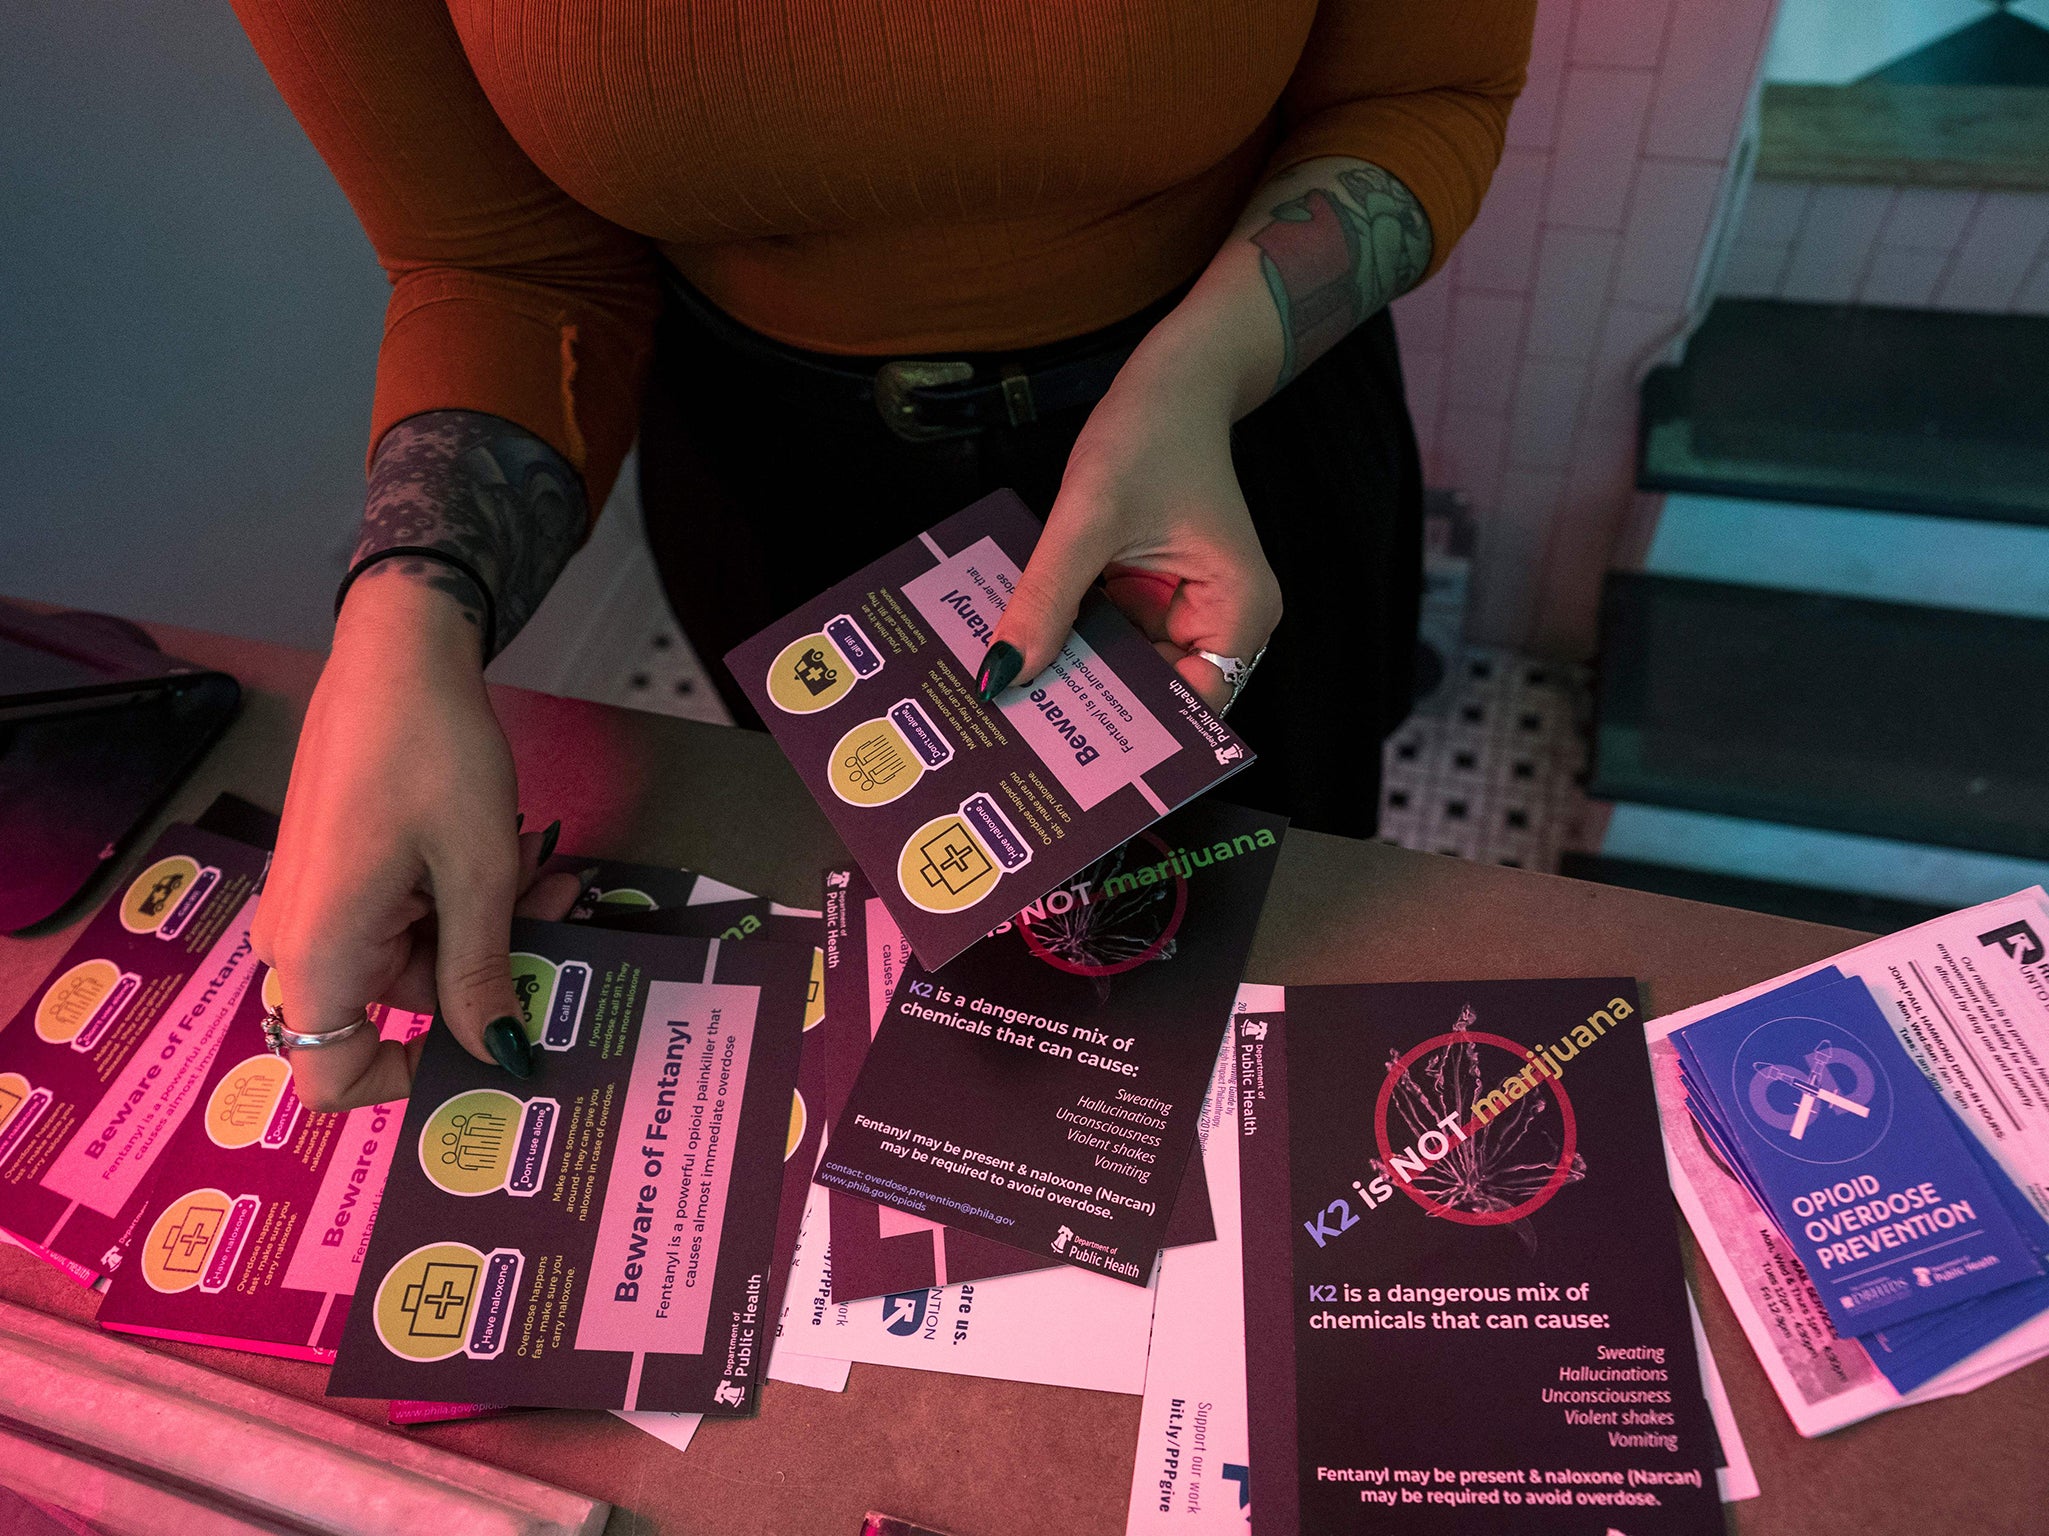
x: 902, y: 176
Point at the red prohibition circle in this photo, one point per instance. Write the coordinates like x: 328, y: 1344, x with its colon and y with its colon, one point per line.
x: 1568, y: 1145
x: 1152, y: 951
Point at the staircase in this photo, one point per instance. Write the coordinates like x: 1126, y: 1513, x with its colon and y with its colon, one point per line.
x: 1826, y: 692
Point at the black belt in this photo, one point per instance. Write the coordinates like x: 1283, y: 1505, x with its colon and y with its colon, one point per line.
x: 924, y: 399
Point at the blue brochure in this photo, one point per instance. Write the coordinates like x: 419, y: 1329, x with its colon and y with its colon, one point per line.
x: 1855, y: 1156
x: 1708, y: 1111
x: 1923, y: 1349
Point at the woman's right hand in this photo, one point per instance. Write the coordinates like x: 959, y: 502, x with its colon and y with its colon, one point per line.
x: 399, y: 865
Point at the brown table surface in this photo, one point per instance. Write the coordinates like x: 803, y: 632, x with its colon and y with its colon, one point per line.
x: 986, y: 1457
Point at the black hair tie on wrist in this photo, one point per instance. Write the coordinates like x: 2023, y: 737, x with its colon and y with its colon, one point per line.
x: 455, y: 563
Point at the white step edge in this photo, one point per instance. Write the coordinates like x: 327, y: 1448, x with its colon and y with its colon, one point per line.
x: 1841, y: 861
x: 1895, y: 557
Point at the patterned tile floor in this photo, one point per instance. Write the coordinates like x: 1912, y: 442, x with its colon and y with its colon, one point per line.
x: 1490, y: 765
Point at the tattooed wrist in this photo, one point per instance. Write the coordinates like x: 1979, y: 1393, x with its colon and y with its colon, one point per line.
x: 495, y: 502
x: 1335, y: 255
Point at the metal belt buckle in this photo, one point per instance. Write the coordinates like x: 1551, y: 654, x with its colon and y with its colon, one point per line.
x: 894, y: 383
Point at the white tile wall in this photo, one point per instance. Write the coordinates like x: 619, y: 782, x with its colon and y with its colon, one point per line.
x: 1525, y: 352
x: 1911, y: 247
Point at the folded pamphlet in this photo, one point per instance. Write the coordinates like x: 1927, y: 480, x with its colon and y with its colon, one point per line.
x: 1966, y: 996
x: 1862, y: 1166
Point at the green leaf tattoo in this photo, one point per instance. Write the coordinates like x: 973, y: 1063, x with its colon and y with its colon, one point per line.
x: 1333, y: 257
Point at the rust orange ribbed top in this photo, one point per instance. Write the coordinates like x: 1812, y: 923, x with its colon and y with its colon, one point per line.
x: 904, y: 177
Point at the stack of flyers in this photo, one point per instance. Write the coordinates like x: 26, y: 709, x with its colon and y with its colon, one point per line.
x: 961, y: 810
x: 255, y: 1227
x: 1816, y: 1107
x: 600, y: 1235
x: 1042, y: 1091
x: 1862, y: 1148
x: 879, y: 1250
x: 104, y: 1062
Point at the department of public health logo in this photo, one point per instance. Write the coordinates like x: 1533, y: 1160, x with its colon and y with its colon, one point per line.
x: 1810, y: 1089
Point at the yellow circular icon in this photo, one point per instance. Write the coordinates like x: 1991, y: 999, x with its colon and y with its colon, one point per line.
x: 154, y: 893
x: 466, y: 1144
x: 798, y: 1117
x: 809, y: 675
x: 182, y: 1239
x: 873, y: 764
x: 14, y: 1092
x: 533, y: 981
x: 814, y: 994
x: 273, y: 989
x: 74, y: 998
x: 626, y: 898
x: 243, y: 1102
x: 424, y: 1300
x: 945, y: 868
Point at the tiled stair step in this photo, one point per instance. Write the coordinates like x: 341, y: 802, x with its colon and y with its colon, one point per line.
x: 1887, y: 720
x: 1935, y: 413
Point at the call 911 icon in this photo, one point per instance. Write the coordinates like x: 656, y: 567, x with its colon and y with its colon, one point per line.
x: 162, y: 899
x: 448, y: 1299
x: 486, y: 1140
x: 879, y: 759
x: 952, y: 862
x: 551, y: 998
x: 816, y: 671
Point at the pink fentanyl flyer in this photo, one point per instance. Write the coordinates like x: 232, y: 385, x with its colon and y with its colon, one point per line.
x: 102, y: 1065
x: 256, y: 1225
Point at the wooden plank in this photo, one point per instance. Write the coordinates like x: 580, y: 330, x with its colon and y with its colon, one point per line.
x: 1989, y: 137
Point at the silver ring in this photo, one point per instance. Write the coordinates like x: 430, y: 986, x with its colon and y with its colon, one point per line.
x: 280, y: 1039
x: 1237, y: 672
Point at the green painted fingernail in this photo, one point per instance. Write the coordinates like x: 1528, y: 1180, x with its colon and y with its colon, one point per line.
x: 506, y: 1040
x: 1000, y: 666
x: 549, y: 838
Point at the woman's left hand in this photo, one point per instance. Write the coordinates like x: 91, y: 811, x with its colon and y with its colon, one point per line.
x: 1149, y: 503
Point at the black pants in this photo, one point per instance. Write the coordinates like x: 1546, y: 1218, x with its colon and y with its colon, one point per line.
x: 753, y: 508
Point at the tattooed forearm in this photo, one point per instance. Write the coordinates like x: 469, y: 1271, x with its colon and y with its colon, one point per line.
x: 489, y: 493
x: 1334, y: 256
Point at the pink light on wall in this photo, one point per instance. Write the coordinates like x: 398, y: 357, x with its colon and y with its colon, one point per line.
x: 1524, y: 353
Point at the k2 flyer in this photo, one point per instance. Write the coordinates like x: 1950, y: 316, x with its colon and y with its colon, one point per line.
x: 962, y: 812
x: 1043, y: 1089
x: 1465, y: 1308
x: 600, y: 1235
x: 879, y: 1250
x: 99, y: 1068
